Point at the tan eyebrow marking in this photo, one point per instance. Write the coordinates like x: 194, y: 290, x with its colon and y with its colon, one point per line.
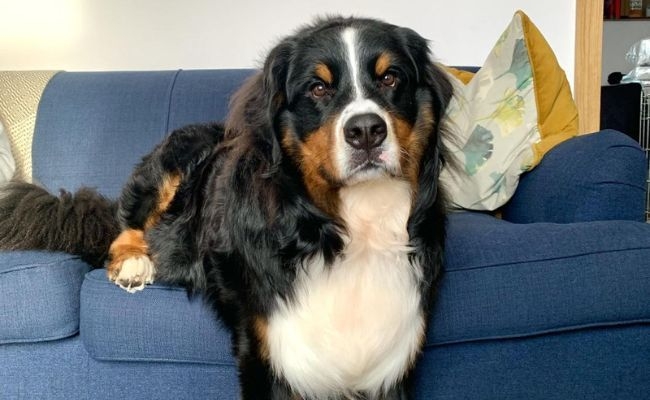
x: 324, y: 73
x: 382, y: 64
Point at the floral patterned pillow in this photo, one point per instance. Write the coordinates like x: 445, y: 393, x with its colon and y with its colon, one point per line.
x: 506, y: 117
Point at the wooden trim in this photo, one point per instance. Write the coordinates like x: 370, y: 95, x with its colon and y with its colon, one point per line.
x: 588, y: 63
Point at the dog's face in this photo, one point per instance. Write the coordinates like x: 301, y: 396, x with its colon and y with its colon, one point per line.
x: 354, y: 100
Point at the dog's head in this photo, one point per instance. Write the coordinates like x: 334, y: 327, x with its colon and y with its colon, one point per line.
x: 351, y: 100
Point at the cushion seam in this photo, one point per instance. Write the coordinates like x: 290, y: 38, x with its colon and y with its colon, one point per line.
x: 69, y: 334
x: 170, y: 97
x: 39, y: 265
x: 546, y: 259
x: 161, y: 360
x: 618, y: 183
x: 148, y: 287
x: 534, y: 333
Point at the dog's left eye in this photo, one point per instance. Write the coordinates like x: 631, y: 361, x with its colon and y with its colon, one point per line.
x: 320, y: 90
x: 389, y: 79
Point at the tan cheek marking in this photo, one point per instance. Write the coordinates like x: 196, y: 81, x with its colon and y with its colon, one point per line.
x: 314, y: 158
x: 290, y: 143
x: 382, y: 64
x: 412, y: 141
x: 409, y: 162
x: 324, y: 73
x: 129, y: 243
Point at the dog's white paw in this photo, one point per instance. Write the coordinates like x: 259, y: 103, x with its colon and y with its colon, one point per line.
x: 135, y: 273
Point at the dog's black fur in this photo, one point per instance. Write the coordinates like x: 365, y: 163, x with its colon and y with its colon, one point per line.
x: 83, y: 223
x: 243, y: 218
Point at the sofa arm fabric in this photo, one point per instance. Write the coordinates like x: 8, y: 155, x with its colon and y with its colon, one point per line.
x: 39, y: 296
x: 594, y: 177
x: 159, y: 324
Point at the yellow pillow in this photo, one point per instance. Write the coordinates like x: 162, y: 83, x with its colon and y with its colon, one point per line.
x: 504, y: 118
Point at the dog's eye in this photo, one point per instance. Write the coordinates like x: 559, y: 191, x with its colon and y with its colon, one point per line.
x: 389, y: 79
x: 318, y: 90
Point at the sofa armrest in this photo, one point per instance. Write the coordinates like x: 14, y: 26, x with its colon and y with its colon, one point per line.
x: 601, y: 176
x: 40, y: 296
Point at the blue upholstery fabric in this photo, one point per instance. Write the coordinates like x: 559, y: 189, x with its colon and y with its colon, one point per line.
x: 106, y: 116
x: 595, y: 364
x: 92, y: 128
x: 44, y: 370
x: 160, y: 381
x: 39, y: 296
x: 159, y: 323
x: 203, y: 96
x: 63, y: 370
x: 594, y: 177
x: 505, y: 280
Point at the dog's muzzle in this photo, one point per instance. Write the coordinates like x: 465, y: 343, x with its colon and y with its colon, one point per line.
x: 365, y: 131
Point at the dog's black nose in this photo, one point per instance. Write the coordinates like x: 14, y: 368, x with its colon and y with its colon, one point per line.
x: 365, y: 131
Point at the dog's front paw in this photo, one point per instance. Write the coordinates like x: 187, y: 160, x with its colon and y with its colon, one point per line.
x: 133, y: 273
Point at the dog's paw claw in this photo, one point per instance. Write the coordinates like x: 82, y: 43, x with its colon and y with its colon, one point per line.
x: 134, y: 274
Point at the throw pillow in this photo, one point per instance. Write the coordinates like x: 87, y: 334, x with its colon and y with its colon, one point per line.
x: 504, y: 118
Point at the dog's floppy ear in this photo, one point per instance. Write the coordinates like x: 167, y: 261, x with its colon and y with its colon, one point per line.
x: 428, y: 73
x: 255, y: 106
x: 436, y: 87
x: 425, y: 228
x: 275, y: 73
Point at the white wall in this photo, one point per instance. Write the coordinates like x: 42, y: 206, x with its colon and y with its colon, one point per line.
x: 618, y: 37
x: 158, y: 34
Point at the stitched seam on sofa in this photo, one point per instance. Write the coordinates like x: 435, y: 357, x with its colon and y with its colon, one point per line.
x: 40, y: 339
x: 625, y: 146
x: 170, y: 97
x: 25, y: 267
x: 535, y: 333
x: 162, y: 360
x: 642, y: 187
x: 106, y: 283
x: 568, y: 256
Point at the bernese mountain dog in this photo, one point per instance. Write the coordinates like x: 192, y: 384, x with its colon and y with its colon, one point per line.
x: 312, y: 220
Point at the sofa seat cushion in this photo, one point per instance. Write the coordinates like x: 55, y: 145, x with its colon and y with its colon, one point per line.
x: 159, y: 323
x: 506, y: 280
x: 502, y: 280
x: 39, y: 298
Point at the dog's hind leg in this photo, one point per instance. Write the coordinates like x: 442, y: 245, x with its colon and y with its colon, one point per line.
x: 147, y: 197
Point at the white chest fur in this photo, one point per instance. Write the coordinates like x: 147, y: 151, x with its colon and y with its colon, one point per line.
x: 354, y: 326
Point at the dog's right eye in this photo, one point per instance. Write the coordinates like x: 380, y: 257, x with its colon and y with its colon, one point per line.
x: 318, y: 90
x: 389, y: 79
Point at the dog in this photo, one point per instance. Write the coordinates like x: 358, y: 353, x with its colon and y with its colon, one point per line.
x: 312, y: 220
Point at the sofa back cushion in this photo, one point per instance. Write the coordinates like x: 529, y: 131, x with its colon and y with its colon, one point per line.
x: 92, y: 128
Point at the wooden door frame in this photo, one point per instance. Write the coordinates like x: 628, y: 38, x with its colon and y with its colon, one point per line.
x: 588, y: 63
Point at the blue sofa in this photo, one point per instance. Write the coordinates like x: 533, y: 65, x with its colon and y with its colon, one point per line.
x: 551, y: 301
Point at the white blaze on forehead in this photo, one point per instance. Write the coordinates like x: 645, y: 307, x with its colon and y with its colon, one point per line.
x: 360, y: 104
x: 350, y: 40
